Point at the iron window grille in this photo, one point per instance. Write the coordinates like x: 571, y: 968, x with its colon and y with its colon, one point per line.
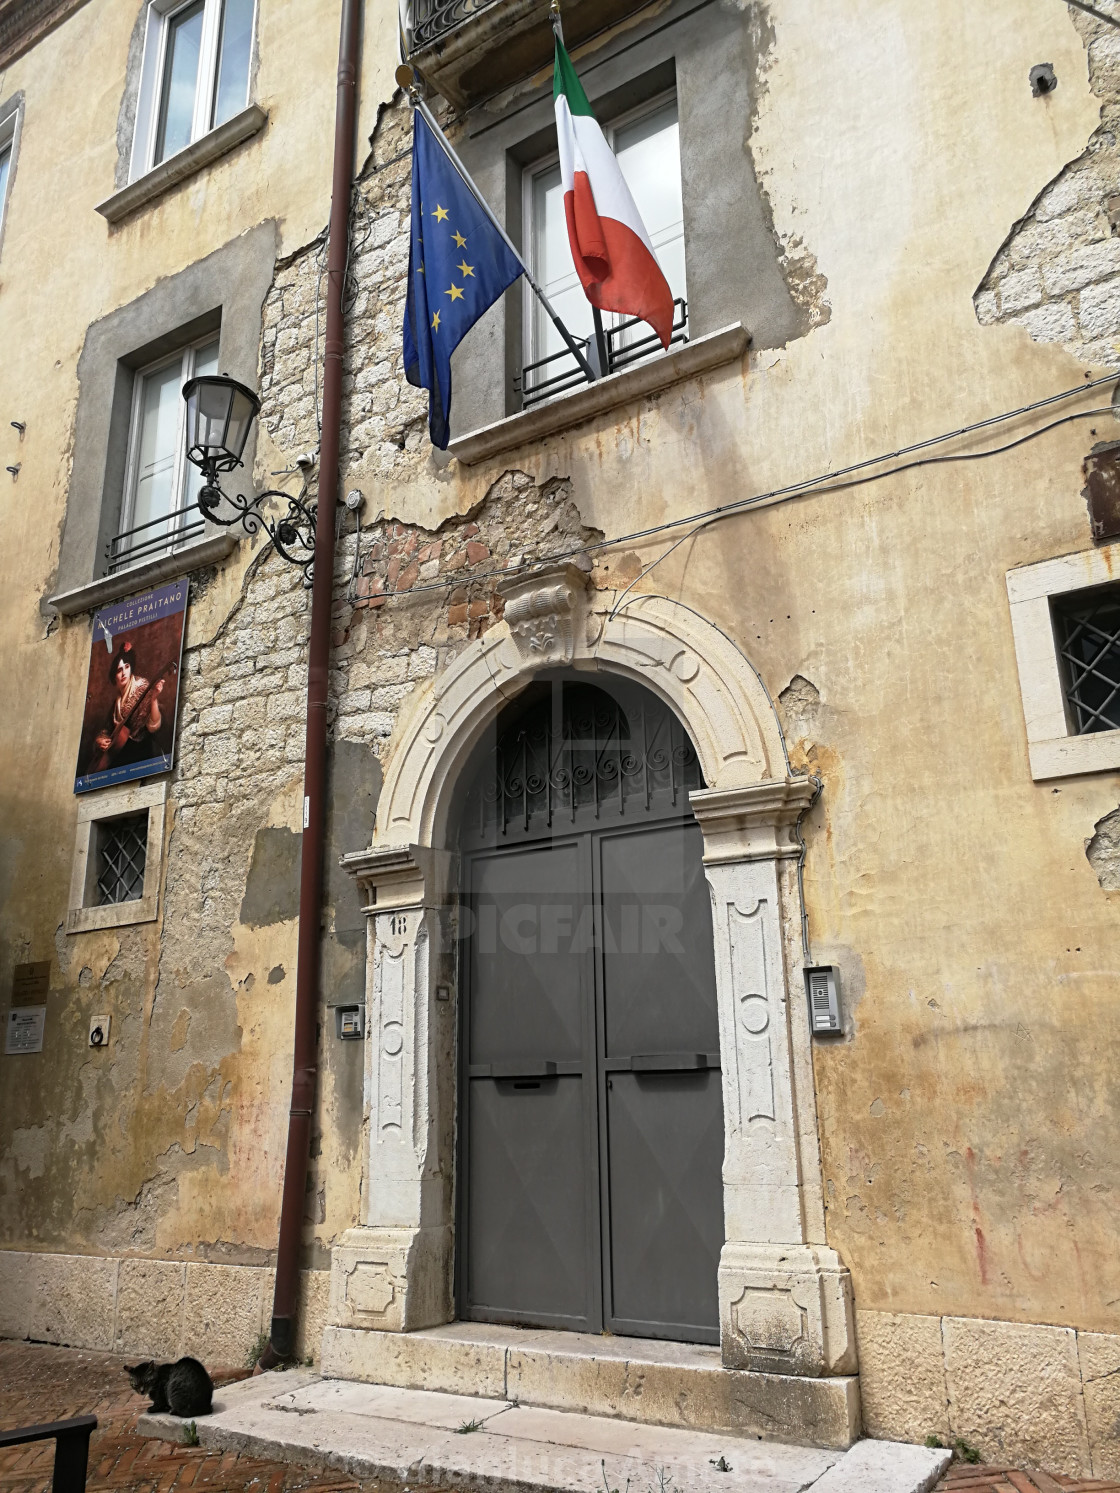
x: 560, y: 372
x: 1089, y: 647
x: 122, y: 855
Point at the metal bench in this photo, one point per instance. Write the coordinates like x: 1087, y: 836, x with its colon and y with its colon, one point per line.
x: 71, y: 1452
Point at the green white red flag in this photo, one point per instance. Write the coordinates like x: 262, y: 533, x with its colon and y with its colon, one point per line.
x: 613, y: 256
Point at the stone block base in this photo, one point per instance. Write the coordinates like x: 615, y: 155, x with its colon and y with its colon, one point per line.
x: 636, y: 1379
x: 150, y: 1308
x: 1020, y: 1392
x: 786, y: 1309
x: 391, y: 1280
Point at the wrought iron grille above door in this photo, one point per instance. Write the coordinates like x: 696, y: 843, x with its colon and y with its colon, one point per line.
x: 575, y: 752
x: 591, y: 1120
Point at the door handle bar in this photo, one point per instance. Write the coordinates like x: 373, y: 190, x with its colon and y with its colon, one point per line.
x: 663, y: 1062
x: 525, y: 1068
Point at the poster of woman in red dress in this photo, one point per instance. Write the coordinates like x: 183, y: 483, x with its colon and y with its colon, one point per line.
x: 128, y: 729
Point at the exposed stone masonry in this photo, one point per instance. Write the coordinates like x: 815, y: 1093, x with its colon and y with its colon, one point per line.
x: 406, y: 600
x: 1058, y: 271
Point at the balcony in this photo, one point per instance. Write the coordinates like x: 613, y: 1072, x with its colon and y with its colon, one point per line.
x: 468, y: 50
x: 627, y: 343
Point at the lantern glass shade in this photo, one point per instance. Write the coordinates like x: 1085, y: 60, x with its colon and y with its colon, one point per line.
x: 220, y: 414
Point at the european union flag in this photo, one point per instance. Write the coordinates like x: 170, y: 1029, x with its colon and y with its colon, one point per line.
x: 458, y: 266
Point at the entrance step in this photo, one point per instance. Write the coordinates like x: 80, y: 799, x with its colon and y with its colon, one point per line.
x: 428, y: 1439
x: 638, y: 1379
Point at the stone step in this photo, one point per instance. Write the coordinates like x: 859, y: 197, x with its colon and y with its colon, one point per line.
x: 423, y: 1438
x: 637, y: 1379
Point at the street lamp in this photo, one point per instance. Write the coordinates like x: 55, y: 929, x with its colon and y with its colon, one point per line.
x: 220, y: 414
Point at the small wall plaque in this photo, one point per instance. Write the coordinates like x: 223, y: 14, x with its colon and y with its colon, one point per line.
x: 24, y: 1029
x: 30, y: 982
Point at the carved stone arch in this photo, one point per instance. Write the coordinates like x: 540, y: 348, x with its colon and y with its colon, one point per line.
x: 693, y: 666
x: 785, y: 1297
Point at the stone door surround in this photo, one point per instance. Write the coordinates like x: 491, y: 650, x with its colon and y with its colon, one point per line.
x: 785, y: 1297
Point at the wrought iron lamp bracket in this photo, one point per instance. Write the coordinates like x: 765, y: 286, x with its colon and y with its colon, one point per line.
x: 293, y: 534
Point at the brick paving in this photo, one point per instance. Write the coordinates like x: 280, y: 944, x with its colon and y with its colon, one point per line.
x: 41, y: 1383
x: 963, y: 1478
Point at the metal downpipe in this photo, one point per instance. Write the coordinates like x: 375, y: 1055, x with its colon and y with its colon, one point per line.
x: 282, y: 1337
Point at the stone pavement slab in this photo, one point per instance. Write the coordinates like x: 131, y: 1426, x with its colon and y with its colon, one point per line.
x: 421, y: 1437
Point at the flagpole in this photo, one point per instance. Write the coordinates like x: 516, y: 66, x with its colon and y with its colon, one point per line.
x: 596, y: 315
x: 408, y: 84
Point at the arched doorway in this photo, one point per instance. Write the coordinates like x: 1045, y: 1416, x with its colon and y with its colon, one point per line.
x: 591, y: 1117
x: 785, y: 1298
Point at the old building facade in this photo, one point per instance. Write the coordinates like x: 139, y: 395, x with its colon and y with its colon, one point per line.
x: 859, y: 718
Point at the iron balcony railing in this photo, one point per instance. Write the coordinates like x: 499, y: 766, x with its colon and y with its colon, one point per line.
x: 131, y: 546
x: 427, y: 21
x: 560, y: 372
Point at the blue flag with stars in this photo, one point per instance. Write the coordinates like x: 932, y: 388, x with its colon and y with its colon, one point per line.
x: 458, y: 266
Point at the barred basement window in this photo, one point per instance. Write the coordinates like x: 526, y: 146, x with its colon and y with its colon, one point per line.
x: 1088, y: 632
x: 122, y: 853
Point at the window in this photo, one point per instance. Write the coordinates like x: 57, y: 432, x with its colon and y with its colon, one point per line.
x: 195, y: 75
x: 1065, y: 620
x: 118, y: 857
x: 5, y: 172
x: 647, y: 145
x: 158, y: 511
x: 1089, y: 643
x: 122, y: 846
x: 7, y: 158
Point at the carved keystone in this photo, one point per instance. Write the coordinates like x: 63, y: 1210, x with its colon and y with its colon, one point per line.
x: 545, y: 612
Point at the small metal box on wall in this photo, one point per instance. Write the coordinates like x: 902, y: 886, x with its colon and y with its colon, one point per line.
x: 822, y: 986
x: 350, y: 1024
x: 1102, y: 492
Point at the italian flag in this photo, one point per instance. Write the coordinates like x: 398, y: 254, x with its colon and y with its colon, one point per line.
x: 611, y: 249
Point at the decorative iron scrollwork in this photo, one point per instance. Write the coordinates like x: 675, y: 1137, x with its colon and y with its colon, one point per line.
x: 293, y: 534
x: 579, y: 753
x: 428, y: 20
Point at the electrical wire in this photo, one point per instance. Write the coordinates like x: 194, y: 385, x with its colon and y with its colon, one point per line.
x: 802, y: 852
x: 826, y: 482
x: 910, y: 466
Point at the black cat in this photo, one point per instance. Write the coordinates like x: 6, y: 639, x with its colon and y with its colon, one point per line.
x: 183, y: 1388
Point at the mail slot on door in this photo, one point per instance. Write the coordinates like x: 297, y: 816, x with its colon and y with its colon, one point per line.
x: 822, y: 983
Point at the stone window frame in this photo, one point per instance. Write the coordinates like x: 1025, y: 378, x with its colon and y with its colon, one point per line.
x: 1054, y: 748
x: 11, y: 128
x: 734, y: 264
x: 100, y: 807
x: 224, y: 290
x: 153, y: 84
x: 135, y: 187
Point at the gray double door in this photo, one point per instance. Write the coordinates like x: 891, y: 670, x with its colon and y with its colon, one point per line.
x: 591, y: 1118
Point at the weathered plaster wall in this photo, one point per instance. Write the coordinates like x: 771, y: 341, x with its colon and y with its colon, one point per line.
x: 961, y: 1116
x: 166, y: 1143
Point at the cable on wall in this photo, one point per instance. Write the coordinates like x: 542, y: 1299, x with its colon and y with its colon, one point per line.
x: 824, y: 483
